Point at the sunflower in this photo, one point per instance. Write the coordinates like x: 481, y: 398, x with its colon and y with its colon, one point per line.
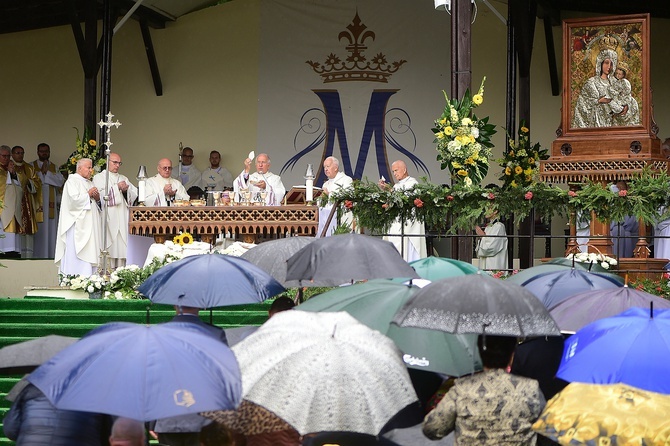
x: 183, y: 239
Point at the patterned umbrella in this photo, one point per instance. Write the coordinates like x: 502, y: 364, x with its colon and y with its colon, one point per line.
x: 596, y: 414
x: 477, y: 303
x: 324, y: 372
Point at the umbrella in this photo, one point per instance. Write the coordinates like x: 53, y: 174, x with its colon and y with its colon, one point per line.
x: 581, y: 309
x: 590, y: 414
x: 554, y: 287
x: 142, y: 372
x: 324, y: 372
x: 630, y: 348
x: 208, y: 281
x: 436, y: 268
x: 375, y: 302
x: 248, y: 419
x: 559, y: 264
x: 24, y: 357
x: 346, y: 258
x: 477, y: 303
x: 271, y: 256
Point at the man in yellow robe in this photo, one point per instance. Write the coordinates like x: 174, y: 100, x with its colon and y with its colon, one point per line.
x: 30, y: 202
x: 52, y: 187
x: 10, y: 214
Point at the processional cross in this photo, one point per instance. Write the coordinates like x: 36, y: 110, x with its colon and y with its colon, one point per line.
x: 103, y: 267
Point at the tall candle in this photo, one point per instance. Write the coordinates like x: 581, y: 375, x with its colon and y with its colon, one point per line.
x: 141, y: 191
x: 309, y: 193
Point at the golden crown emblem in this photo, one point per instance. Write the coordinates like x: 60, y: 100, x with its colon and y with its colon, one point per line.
x: 608, y: 42
x: 356, y: 67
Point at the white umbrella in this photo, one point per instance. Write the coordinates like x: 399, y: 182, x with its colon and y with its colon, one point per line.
x: 324, y: 372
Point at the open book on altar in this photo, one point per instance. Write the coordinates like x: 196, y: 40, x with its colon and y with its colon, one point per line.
x: 297, y: 194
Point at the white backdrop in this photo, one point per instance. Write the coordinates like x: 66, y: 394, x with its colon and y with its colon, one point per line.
x: 292, y: 115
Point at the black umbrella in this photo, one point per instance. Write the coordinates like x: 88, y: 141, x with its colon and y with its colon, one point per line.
x: 24, y: 357
x: 477, y: 303
x: 346, y: 258
x: 271, y: 256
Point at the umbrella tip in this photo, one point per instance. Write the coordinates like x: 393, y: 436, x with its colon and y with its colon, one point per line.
x: 651, y: 309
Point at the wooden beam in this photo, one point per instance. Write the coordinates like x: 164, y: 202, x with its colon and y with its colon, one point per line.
x: 151, y: 57
x: 551, y: 56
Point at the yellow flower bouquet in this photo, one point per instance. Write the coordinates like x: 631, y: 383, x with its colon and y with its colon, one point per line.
x: 86, y: 147
x: 463, y: 140
x: 521, y: 160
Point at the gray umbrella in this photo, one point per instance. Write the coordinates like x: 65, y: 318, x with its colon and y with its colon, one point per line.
x: 477, y: 303
x: 346, y: 258
x: 271, y: 257
x: 24, y: 357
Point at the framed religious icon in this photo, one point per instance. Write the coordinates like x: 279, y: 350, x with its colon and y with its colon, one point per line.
x: 606, y: 74
x: 607, y: 128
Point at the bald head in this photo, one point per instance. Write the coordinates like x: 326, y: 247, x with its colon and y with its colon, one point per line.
x: 331, y: 166
x: 127, y: 432
x: 165, y: 167
x: 399, y: 169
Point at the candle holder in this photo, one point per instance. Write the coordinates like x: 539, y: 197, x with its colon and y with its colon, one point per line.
x: 142, y: 185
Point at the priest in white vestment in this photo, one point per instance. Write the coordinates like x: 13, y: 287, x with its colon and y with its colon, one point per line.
x: 11, y: 195
x: 52, y: 187
x: 161, y: 187
x: 262, y: 183
x: 412, y: 245
x: 661, y: 243
x: 216, y: 177
x: 492, y: 245
x: 189, y: 175
x: 336, y: 180
x: 121, y: 194
x: 79, y: 226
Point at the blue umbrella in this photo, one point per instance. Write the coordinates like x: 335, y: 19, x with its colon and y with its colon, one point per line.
x: 631, y: 348
x: 554, y: 287
x: 208, y: 281
x: 142, y: 372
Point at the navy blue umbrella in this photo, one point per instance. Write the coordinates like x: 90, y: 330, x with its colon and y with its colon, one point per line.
x: 554, y: 287
x: 143, y: 372
x: 209, y: 281
x: 630, y: 348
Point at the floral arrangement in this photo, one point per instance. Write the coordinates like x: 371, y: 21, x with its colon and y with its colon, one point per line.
x: 646, y: 198
x: 656, y: 287
x: 464, y: 141
x: 122, y: 283
x: 448, y: 209
x: 591, y: 257
x: 521, y: 160
x: 85, y: 148
x: 184, y: 238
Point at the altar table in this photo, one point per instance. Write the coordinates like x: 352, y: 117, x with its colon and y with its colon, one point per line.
x: 246, y: 223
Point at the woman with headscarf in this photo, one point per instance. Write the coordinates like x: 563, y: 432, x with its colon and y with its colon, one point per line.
x: 592, y: 108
